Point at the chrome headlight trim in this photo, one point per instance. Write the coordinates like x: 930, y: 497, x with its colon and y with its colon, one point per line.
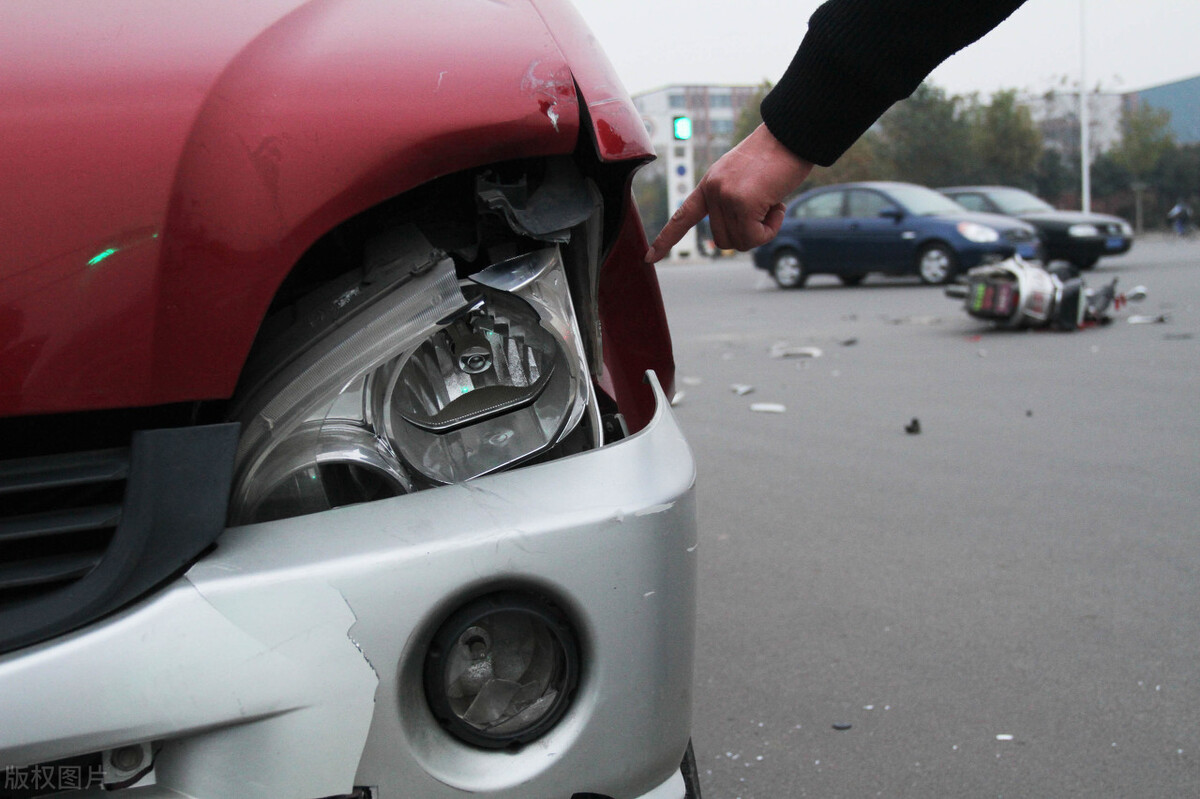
x: 333, y: 411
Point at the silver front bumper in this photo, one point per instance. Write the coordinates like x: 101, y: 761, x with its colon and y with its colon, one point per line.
x: 288, y: 663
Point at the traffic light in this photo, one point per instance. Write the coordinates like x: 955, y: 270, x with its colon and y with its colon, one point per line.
x: 682, y: 128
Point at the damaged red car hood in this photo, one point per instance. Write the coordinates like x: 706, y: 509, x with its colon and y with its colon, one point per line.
x: 167, y: 163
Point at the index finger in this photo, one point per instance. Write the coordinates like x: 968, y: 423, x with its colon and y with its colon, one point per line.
x: 689, y: 213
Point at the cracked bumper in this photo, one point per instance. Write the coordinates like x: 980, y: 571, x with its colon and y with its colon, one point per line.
x: 288, y: 663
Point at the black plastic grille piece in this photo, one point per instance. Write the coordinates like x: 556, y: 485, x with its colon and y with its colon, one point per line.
x: 84, y: 534
x: 57, y: 517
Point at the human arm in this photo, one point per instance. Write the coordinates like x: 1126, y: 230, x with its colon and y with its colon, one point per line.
x: 858, y: 57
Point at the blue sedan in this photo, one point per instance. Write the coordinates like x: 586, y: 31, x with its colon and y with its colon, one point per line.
x: 853, y: 229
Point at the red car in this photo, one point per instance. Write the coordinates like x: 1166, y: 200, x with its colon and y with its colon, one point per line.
x: 334, y: 454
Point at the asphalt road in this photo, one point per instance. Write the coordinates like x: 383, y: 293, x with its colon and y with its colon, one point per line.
x: 1003, y: 605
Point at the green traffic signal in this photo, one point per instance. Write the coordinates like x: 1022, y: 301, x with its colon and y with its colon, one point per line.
x: 682, y: 128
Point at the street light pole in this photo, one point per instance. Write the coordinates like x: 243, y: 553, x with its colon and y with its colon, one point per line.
x: 1085, y: 170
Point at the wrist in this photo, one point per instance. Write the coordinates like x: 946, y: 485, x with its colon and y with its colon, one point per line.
x: 786, y: 167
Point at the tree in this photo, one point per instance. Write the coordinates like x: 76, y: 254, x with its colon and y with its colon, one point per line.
x: 862, y: 161
x: 1055, y: 175
x: 750, y: 116
x: 924, y: 140
x: 1006, y: 143
x: 1145, y: 140
x: 1177, y: 176
x: 650, y: 194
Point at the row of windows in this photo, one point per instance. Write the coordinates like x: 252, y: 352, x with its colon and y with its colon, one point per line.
x: 679, y: 101
x: 712, y: 127
x: 857, y: 203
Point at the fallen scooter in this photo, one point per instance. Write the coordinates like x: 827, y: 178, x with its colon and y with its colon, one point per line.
x: 1018, y: 294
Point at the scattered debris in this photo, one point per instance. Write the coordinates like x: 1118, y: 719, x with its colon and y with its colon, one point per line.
x: 741, y: 389
x: 913, y: 427
x: 768, y: 407
x: 783, y: 350
x: 850, y: 342
x: 690, y: 381
x: 841, y: 726
x: 1004, y: 737
x: 677, y: 398
x: 1149, y: 320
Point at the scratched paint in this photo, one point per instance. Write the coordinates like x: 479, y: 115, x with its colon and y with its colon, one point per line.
x: 548, y: 83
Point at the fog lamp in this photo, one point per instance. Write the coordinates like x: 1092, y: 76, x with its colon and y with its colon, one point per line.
x: 500, y: 672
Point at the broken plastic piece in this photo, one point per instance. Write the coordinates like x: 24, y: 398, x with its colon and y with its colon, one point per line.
x: 913, y: 427
x: 782, y: 350
x: 768, y: 407
x: 1148, y: 320
x: 741, y: 389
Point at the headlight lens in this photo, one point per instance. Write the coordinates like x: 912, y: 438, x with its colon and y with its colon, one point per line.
x: 1126, y: 229
x: 493, y: 387
x: 980, y: 234
x: 439, y: 381
x: 1083, y: 231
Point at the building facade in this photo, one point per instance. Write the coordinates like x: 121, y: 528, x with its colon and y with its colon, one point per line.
x: 1182, y: 99
x: 714, y: 111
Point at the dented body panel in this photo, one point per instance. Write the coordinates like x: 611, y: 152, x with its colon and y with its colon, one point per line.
x: 307, y: 633
x: 200, y: 173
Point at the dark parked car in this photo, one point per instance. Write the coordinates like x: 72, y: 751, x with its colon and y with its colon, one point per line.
x: 1074, y: 236
x: 852, y: 229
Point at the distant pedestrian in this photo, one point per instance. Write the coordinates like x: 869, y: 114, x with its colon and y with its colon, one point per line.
x: 1181, y: 217
x: 858, y: 57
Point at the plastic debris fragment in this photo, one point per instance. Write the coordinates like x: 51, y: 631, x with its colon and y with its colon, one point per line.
x: 1148, y: 320
x: 741, y: 389
x: 913, y: 427
x: 842, y: 726
x: 768, y: 407
x: 783, y: 350
x: 1004, y: 737
x: 677, y: 398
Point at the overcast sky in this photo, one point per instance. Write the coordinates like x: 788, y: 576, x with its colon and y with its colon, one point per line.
x: 1129, y: 44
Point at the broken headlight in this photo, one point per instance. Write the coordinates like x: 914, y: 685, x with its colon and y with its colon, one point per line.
x: 437, y: 381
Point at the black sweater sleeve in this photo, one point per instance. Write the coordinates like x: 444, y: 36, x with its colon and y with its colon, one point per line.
x: 859, y: 57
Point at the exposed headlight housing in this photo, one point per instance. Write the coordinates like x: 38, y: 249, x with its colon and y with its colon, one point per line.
x: 496, y: 385
x: 1083, y: 230
x: 980, y: 234
x: 437, y: 381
